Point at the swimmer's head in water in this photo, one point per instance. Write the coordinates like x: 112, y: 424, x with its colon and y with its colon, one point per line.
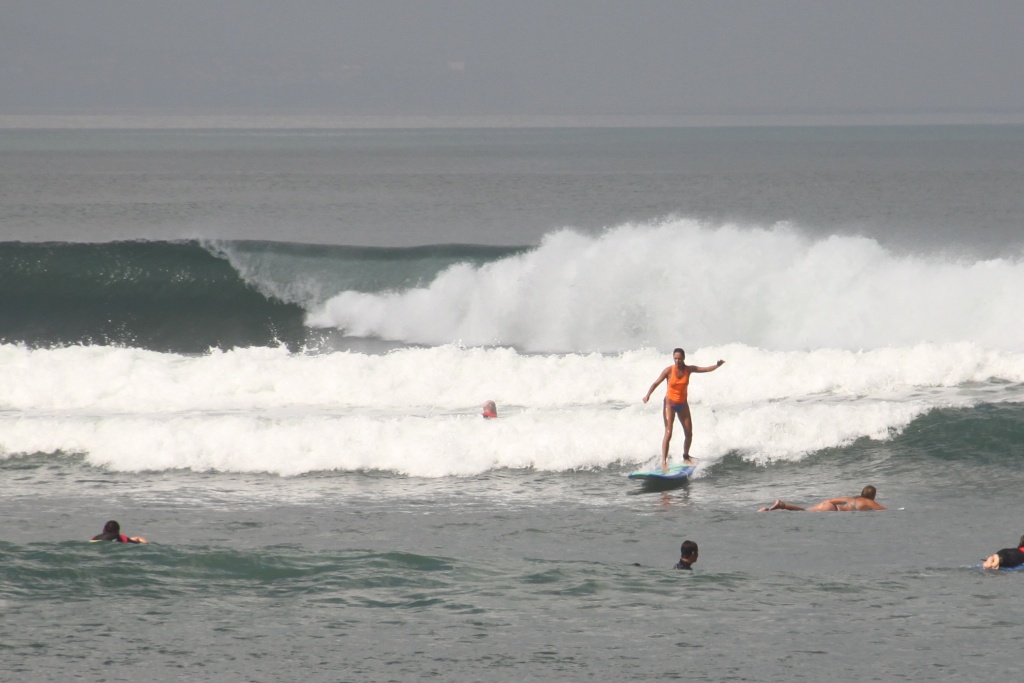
x: 490, y: 409
x: 111, y: 527
x: 868, y: 492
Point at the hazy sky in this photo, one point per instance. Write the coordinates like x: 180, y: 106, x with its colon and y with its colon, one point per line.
x: 514, y: 57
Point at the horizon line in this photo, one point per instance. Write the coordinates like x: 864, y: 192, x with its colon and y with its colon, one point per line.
x: 296, y: 120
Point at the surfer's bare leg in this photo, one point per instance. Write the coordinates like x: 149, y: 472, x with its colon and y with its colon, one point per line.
x: 666, y: 413
x: 687, y: 421
x: 780, y: 505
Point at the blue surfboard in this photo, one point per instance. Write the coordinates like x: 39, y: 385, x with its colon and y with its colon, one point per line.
x: 673, y: 473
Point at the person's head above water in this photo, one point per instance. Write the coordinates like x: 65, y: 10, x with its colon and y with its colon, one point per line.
x: 868, y: 492
x: 688, y: 552
x: 490, y: 409
x: 111, y: 527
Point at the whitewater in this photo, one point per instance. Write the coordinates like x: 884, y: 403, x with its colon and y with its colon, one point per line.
x: 634, y: 286
x: 267, y: 352
x: 826, y: 341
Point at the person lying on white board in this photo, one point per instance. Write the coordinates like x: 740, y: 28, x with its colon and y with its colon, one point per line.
x: 865, y: 501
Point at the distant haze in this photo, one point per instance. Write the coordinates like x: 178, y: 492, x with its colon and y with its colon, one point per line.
x: 860, y: 59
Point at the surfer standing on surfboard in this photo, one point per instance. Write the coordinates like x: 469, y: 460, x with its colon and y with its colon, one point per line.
x: 678, y: 377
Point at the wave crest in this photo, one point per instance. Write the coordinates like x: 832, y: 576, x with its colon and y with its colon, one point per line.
x: 683, y: 282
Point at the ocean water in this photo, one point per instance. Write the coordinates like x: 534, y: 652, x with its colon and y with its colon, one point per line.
x: 266, y: 351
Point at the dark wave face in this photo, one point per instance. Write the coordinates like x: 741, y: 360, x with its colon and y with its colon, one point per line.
x: 191, y: 296
x: 161, y: 296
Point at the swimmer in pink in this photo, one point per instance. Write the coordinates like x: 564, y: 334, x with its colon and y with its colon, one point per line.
x: 677, y: 377
x: 490, y: 409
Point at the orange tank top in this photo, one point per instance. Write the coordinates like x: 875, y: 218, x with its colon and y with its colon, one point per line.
x: 677, y: 386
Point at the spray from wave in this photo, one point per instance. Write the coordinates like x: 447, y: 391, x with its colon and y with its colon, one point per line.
x: 682, y: 282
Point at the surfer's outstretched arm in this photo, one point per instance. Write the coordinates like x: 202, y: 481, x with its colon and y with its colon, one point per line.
x: 706, y: 368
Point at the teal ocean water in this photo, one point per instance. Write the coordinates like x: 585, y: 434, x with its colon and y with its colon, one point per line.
x: 266, y: 352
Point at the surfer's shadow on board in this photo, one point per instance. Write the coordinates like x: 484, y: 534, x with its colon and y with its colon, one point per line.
x: 661, y: 486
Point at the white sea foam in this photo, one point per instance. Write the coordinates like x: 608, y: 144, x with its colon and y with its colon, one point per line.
x: 683, y: 282
x: 416, y: 410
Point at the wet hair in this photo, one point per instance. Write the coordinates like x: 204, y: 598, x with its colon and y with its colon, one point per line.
x: 111, y: 527
x: 868, y: 492
x: 688, y: 549
x: 675, y: 351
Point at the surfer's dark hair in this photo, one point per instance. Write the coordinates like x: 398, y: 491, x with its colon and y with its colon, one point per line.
x: 868, y: 492
x: 687, y: 549
x: 677, y: 350
x: 111, y: 527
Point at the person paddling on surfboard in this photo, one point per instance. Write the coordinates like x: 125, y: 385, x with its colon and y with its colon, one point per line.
x: 112, y: 532
x: 1006, y: 558
x: 865, y: 501
x: 678, y: 377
